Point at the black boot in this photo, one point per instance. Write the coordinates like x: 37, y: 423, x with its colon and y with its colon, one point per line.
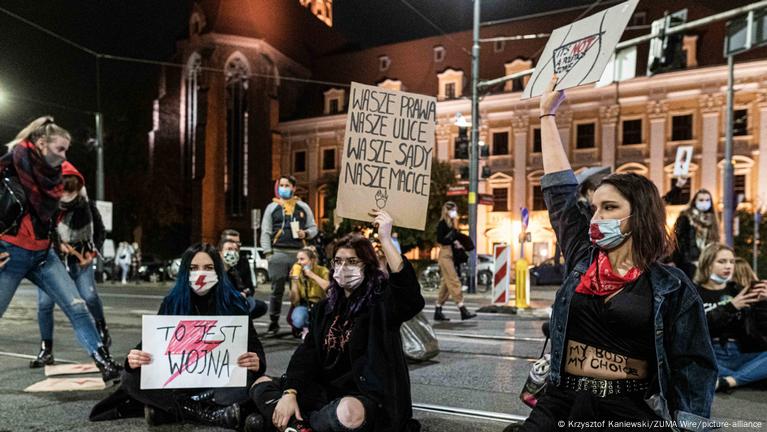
x: 110, y: 371
x: 45, y: 356
x: 211, y: 414
x: 101, y: 326
x: 274, y: 326
x: 438, y: 315
x: 157, y: 417
x: 465, y: 314
x: 254, y: 423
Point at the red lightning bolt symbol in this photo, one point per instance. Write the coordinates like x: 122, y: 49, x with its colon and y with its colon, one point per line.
x: 192, y: 339
x: 200, y: 281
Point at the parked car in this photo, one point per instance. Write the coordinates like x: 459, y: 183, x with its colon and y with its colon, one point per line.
x: 430, y: 276
x: 548, y: 272
x: 152, y: 269
x: 259, y: 266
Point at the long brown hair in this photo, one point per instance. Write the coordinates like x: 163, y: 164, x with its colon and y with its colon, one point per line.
x: 651, y: 240
x: 374, y: 277
x: 713, y: 229
x: 706, y: 261
x: 743, y: 275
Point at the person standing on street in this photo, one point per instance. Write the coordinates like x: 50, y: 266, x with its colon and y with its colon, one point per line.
x: 79, y: 236
x: 450, y: 284
x: 287, y: 225
x: 34, y: 162
x: 695, y: 228
x: 230, y: 254
x: 123, y: 259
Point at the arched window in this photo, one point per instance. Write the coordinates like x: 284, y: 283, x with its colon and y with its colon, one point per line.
x: 191, y: 106
x: 236, y: 166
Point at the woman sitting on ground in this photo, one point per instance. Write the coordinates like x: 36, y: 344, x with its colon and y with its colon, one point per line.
x: 202, y: 288
x: 350, y: 374
x: 628, y: 334
x: 726, y: 303
x: 308, y: 283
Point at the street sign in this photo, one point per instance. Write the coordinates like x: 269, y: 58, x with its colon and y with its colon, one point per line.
x: 458, y: 190
x: 746, y: 32
x: 502, y: 255
x: 486, y: 199
x: 525, y: 217
x: 105, y: 209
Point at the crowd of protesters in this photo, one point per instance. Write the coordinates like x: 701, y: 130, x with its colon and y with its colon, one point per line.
x: 649, y: 323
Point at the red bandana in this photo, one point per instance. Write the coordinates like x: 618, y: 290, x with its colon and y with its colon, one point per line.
x: 601, y: 280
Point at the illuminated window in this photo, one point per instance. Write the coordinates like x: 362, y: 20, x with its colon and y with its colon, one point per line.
x: 450, y: 84
x: 236, y: 166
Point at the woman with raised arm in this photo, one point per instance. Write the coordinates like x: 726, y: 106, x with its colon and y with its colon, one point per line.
x: 629, y: 335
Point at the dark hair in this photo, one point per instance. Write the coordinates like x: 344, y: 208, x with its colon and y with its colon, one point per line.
x: 651, y: 240
x: 289, y: 178
x: 229, y: 233
x: 228, y: 300
x: 224, y: 240
x: 374, y: 277
x: 72, y: 183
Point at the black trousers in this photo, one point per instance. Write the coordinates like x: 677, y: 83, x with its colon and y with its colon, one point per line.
x: 559, y: 410
x: 169, y: 400
x: 316, y: 409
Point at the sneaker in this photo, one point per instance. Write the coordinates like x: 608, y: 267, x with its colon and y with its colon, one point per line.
x: 274, y: 327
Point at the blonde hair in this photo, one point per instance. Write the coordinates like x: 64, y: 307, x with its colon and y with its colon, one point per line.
x: 309, y: 251
x: 744, y: 274
x: 43, y: 127
x: 449, y: 205
x: 706, y: 261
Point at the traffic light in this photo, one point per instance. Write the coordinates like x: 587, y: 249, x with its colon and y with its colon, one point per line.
x: 462, y: 143
x: 666, y: 51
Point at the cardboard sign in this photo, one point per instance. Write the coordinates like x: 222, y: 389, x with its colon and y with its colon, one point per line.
x: 387, y: 155
x: 67, y: 384
x: 193, y: 351
x: 105, y: 209
x: 682, y: 162
x: 71, y: 369
x: 578, y: 53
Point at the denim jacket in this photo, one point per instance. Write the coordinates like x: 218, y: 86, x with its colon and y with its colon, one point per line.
x: 687, y: 373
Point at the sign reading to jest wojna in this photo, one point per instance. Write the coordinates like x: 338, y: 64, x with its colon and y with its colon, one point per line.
x: 193, y: 351
x: 387, y: 155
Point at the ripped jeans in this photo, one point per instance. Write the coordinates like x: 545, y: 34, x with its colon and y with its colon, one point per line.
x: 86, y: 286
x: 44, y: 269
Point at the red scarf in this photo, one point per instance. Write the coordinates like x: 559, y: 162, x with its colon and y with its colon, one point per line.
x: 601, y: 280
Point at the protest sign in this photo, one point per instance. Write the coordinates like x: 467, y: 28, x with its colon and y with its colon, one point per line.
x: 387, y: 155
x: 193, y: 351
x: 682, y: 162
x: 578, y: 53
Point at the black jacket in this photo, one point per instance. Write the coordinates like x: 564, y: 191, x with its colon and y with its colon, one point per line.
x: 375, y: 348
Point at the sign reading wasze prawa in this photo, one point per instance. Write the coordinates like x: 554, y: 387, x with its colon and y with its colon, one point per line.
x: 193, y: 351
x: 387, y: 155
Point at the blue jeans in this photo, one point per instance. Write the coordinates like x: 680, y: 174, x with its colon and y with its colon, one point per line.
x: 86, y: 286
x: 300, y: 317
x: 256, y: 307
x: 44, y: 269
x: 746, y: 368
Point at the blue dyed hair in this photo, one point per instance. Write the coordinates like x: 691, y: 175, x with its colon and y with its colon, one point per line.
x: 228, y: 299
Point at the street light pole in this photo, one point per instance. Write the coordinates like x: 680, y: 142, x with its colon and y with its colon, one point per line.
x: 729, y: 199
x: 474, y: 149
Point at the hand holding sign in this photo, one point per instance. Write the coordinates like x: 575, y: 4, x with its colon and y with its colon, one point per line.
x: 249, y: 361
x: 137, y: 358
x: 551, y: 99
x: 383, y: 222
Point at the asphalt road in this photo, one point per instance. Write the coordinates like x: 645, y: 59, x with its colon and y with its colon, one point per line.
x: 482, y: 366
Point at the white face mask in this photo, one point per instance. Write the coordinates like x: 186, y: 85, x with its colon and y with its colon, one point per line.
x: 348, y: 277
x: 202, y: 281
x: 68, y: 198
x: 703, y: 206
x: 453, y: 214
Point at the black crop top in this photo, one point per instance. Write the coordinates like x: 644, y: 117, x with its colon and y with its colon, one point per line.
x: 623, y: 325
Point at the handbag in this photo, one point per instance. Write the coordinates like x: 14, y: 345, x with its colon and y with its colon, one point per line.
x: 535, y: 385
x: 419, y: 342
x: 12, y: 199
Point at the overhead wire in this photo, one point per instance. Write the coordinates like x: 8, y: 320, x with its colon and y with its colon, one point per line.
x: 436, y: 27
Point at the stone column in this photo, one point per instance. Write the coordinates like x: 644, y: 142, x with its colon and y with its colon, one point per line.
x: 710, y: 107
x: 761, y: 174
x: 609, y: 116
x: 657, y: 112
x: 519, y: 200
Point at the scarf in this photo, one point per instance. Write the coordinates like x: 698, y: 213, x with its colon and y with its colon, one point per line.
x: 288, y: 205
x: 41, y: 183
x: 601, y: 280
x: 76, y: 225
x: 705, y: 230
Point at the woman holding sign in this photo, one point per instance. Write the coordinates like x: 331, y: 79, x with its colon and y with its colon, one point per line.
x: 349, y: 374
x: 629, y: 336
x: 202, y: 288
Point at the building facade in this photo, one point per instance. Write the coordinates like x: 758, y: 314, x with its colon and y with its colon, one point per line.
x: 253, y: 102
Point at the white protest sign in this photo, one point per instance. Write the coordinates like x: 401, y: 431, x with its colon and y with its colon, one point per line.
x: 682, y: 162
x: 105, y: 209
x: 193, y: 351
x: 578, y: 53
x: 387, y: 155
